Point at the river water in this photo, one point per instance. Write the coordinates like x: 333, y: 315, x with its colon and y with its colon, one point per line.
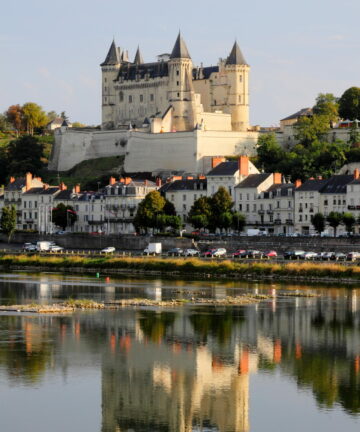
x: 287, y: 364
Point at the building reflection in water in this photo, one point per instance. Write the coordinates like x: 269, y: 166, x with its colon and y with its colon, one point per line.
x: 189, y: 369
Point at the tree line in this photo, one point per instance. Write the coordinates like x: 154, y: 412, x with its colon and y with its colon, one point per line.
x: 334, y: 219
x: 315, y: 153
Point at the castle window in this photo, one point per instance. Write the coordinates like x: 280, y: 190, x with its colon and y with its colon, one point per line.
x: 177, y: 82
x: 105, y: 99
x: 105, y: 79
x: 151, y: 98
x: 177, y: 73
x: 130, y: 99
x: 239, y: 99
x: 240, y: 78
x: 141, y: 98
x: 178, y: 95
x: 121, y: 96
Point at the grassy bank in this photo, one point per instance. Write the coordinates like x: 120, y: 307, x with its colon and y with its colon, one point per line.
x: 186, y: 267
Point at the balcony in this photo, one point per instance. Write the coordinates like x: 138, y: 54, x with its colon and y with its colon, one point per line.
x: 289, y: 222
x: 300, y: 210
x: 311, y: 210
x: 269, y: 212
x: 277, y: 221
x: 261, y: 212
x: 352, y: 207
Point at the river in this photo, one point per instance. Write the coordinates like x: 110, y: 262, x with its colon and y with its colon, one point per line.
x: 288, y: 363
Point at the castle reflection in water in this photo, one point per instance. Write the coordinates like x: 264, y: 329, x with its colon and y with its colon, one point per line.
x: 189, y: 369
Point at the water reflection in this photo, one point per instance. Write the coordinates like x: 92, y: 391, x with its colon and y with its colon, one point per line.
x: 189, y: 369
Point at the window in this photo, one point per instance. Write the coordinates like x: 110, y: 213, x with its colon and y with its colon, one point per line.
x: 300, y: 218
x: 178, y: 95
x: 240, y: 78
x: 141, y: 98
x: 35, y: 215
x: 177, y: 82
x: 241, y: 197
x: 86, y: 218
x: 24, y: 215
x: 239, y: 98
x: 230, y: 190
x: 30, y: 204
x: 105, y: 79
x: 184, y: 207
x: 254, y: 207
x: 278, y: 204
x: 247, y: 197
x: 195, y: 197
x: 24, y: 204
x: 105, y: 88
x: 240, y: 207
x: 326, y: 202
x: 177, y: 73
x: 247, y: 207
x: 339, y: 202
x: 271, y: 218
x: 334, y: 201
x: 121, y: 96
x: 172, y: 197
x: 130, y: 99
x: 151, y: 98
x: 289, y: 204
x: 184, y: 197
x: 35, y: 204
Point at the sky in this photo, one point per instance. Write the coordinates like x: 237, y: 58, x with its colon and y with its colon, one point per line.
x: 50, y: 52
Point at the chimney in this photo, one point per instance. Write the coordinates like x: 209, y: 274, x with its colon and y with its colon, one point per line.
x: 76, y: 188
x: 62, y: 186
x: 158, y: 181
x: 12, y: 179
x: 215, y: 161
x: 277, y: 178
x: 127, y: 180
x: 297, y: 183
x: 122, y: 180
x: 45, y: 186
x: 356, y: 174
x: 112, y: 181
x: 201, y: 177
x: 28, y: 181
x: 243, y: 164
x: 189, y: 178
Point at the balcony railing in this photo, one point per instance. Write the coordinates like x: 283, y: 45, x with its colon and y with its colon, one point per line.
x: 261, y: 212
x: 277, y: 221
x: 289, y: 222
x: 270, y: 211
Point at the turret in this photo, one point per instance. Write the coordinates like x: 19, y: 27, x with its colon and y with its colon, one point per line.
x: 110, y: 68
x: 181, y: 92
x: 237, y: 71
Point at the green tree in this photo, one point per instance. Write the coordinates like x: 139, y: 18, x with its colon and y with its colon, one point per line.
x: 5, y: 125
x: 328, y: 105
x: 270, y: 154
x: 221, y: 202
x: 169, y: 208
x: 354, y: 134
x: 238, y: 222
x: 148, y: 210
x: 318, y: 221
x: 311, y: 129
x: 78, y: 125
x: 349, y: 104
x: 200, y: 213
x: 63, y: 216
x: 51, y: 115
x: 349, y: 221
x: 334, y: 219
x: 25, y: 155
x: 3, y: 165
x: 8, y: 221
x: 34, y: 117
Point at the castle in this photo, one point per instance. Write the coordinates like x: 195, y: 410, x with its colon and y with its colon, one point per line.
x: 165, y: 115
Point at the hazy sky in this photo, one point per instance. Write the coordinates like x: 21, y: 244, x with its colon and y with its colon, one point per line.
x: 50, y: 52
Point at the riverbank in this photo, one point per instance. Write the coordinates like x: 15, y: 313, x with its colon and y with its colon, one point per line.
x: 189, y: 267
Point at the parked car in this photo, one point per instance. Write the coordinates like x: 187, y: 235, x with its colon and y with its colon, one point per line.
x: 237, y: 253
x: 109, y: 249
x: 309, y: 255
x: 219, y: 252
x: 29, y: 247
x: 251, y: 253
x: 319, y: 256
x: 191, y: 252
x: 175, y: 252
x: 295, y: 254
x: 60, y: 232
x: 339, y: 256
x: 56, y: 248
x: 270, y: 254
x: 328, y: 256
x: 353, y: 256
x: 209, y: 253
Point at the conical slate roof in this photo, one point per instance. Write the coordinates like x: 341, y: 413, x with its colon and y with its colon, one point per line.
x: 138, y: 57
x: 236, y: 56
x: 180, y: 50
x: 112, y: 57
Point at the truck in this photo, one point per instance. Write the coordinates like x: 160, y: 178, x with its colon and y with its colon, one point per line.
x: 153, y: 249
x: 42, y: 246
x: 256, y: 232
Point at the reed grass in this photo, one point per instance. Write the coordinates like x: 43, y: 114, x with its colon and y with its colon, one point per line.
x: 186, y: 266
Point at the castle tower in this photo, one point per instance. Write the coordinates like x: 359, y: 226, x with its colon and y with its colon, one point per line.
x: 138, y: 57
x: 237, y: 71
x: 109, y: 68
x: 181, y: 92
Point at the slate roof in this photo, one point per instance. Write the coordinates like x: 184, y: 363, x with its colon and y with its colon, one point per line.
x: 112, y: 57
x: 182, y: 185
x: 204, y: 72
x: 41, y: 191
x: 312, y: 186
x: 253, y: 180
x: 129, y: 72
x: 180, y: 49
x: 337, y: 184
x: 236, y: 56
x: 64, y: 195
x: 18, y: 184
x: 228, y: 168
x: 303, y: 112
x: 284, y: 187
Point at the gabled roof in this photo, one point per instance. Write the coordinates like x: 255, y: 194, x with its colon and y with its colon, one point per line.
x: 283, y: 187
x: 180, y: 49
x: 228, y: 168
x: 18, y: 184
x: 236, y: 56
x: 66, y: 194
x: 337, y: 184
x: 138, y: 57
x: 112, y: 57
x: 303, y: 112
x: 312, y: 186
x: 182, y: 185
x: 253, y: 180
